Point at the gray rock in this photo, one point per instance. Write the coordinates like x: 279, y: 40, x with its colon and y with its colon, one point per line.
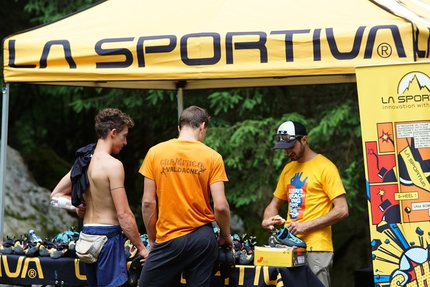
x: 26, y: 205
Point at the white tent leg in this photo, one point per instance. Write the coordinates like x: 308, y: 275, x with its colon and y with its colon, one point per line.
x: 3, y: 154
x: 180, y: 101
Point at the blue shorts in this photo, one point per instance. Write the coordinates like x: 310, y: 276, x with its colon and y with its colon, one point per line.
x: 110, y: 270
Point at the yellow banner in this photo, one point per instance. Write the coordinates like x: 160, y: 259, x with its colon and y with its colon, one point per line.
x: 394, y: 102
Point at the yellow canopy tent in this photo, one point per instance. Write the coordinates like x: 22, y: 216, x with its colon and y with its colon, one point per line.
x: 193, y: 44
x: 213, y: 44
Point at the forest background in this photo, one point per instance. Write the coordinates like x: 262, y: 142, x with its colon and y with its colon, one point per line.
x: 48, y: 124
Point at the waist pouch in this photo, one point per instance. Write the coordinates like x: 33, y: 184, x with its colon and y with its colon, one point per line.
x: 89, y: 246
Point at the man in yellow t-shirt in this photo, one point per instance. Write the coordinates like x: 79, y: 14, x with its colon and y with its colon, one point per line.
x: 181, y: 176
x: 313, y: 189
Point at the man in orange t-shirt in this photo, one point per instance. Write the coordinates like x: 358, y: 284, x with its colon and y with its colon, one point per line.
x: 181, y: 176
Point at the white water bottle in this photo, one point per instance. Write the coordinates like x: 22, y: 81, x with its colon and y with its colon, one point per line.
x: 62, y: 202
x: 34, y: 237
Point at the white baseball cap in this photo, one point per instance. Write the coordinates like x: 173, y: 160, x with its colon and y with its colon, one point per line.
x: 287, y: 134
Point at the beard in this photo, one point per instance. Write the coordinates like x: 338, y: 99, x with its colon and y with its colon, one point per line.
x: 296, y: 156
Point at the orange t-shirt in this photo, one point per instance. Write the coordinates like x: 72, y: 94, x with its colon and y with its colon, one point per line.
x: 183, y: 172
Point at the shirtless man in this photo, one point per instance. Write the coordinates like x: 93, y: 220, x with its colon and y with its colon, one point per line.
x: 104, y: 204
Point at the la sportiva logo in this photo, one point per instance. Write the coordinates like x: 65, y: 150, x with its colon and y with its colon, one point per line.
x: 413, y: 80
x: 413, y: 88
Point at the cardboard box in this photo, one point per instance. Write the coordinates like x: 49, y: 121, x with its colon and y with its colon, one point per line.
x: 279, y: 256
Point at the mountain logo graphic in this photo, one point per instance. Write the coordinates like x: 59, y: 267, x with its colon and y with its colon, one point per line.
x: 414, y: 83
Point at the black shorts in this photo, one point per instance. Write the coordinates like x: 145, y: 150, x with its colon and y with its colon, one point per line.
x: 193, y: 254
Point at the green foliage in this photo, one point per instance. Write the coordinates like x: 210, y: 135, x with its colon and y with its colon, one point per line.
x: 352, y: 177
x: 334, y: 122
x: 222, y: 101
x: 46, y: 11
x: 154, y: 97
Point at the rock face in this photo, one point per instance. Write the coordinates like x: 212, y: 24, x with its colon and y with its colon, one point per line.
x: 26, y: 205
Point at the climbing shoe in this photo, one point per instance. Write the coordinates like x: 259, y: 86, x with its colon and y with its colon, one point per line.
x: 134, y: 271
x: 219, y: 260
x: 227, y: 267
x: 58, y: 253
x: 246, y: 256
x: 72, y: 248
x: 225, y: 262
x: 129, y: 249
x: 285, y: 237
x: 60, y: 249
x: 145, y: 240
x: 46, y: 248
x: 31, y: 249
x: 7, y: 246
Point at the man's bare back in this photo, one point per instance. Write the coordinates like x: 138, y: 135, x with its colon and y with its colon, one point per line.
x: 103, y: 171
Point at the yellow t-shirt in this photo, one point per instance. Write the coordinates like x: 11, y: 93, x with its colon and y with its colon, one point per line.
x: 309, y: 188
x: 183, y: 172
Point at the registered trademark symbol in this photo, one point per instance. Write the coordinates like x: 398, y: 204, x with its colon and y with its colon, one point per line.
x: 384, y: 50
x: 32, y: 273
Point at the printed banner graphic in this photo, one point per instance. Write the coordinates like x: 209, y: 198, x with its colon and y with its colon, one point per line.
x: 394, y: 102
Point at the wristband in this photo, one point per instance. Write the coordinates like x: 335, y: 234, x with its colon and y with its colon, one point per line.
x: 228, y: 236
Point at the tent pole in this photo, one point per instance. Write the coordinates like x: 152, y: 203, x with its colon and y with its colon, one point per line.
x: 180, y: 101
x: 3, y: 154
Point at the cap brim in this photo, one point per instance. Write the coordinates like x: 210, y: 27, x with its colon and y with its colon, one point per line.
x: 284, y: 145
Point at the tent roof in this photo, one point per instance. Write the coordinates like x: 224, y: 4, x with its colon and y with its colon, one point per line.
x: 197, y: 44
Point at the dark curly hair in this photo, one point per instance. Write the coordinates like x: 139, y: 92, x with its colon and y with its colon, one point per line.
x: 109, y: 119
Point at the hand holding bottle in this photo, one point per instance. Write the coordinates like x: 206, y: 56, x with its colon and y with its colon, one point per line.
x: 62, y: 202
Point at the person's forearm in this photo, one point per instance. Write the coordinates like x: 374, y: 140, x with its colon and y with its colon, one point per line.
x: 149, y: 214
x: 63, y: 187
x: 334, y: 216
x: 222, y: 218
x: 128, y: 225
x: 270, y: 211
